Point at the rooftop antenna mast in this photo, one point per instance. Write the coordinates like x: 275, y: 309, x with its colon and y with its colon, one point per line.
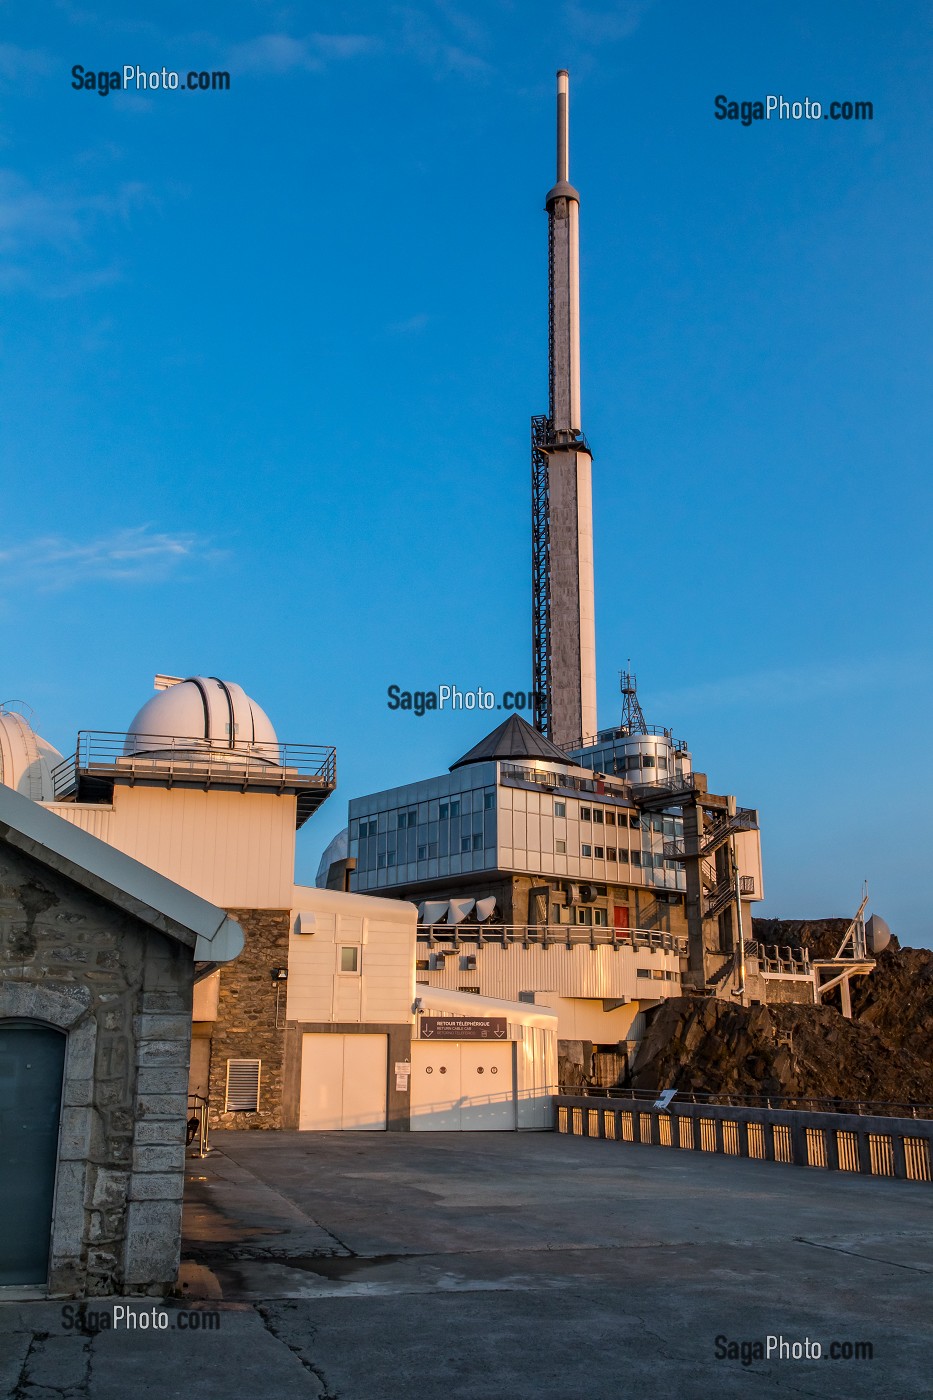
x: 563, y: 620
x: 633, y: 717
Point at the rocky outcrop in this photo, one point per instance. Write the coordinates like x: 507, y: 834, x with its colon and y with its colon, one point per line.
x: 712, y: 1046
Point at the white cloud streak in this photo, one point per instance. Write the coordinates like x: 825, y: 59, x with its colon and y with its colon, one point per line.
x: 135, y: 554
x: 792, y: 685
x: 273, y: 54
x: 606, y: 23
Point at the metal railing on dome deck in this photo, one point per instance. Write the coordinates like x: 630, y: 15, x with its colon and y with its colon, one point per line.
x: 133, y: 757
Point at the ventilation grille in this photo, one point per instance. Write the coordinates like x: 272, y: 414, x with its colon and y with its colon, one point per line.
x: 242, y: 1086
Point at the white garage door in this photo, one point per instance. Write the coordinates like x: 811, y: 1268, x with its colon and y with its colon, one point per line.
x: 461, y: 1085
x: 343, y: 1082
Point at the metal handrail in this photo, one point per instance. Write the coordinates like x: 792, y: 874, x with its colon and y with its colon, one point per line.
x: 198, y: 1107
x: 545, y: 934
x: 546, y: 777
x: 811, y: 1103
x: 139, y: 755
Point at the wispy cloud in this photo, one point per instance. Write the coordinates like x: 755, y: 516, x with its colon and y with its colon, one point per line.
x: 410, y: 326
x: 606, y: 23
x: 15, y: 62
x: 136, y: 554
x: 283, y: 53
x: 791, y: 685
x: 34, y: 221
x: 437, y: 41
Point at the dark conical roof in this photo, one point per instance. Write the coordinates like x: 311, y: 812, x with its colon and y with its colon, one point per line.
x: 514, y: 738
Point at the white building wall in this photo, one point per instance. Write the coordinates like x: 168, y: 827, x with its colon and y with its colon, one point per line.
x: 748, y: 858
x: 532, y: 1029
x: 236, y: 849
x: 578, y: 971
x: 384, y: 933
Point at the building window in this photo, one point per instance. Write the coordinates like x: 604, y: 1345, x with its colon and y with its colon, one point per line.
x: 242, y: 1086
x: 469, y: 989
x: 489, y: 801
x: 422, y: 964
x: 585, y: 814
x: 623, y: 855
x: 601, y: 918
x: 444, y: 812
x: 586, y: 850
x: 610, y: 818
x: 555, y: 913
x: 634, y: 822
x: 455, y: 808
x: 584, y: 916
x: 611, y: 853
x: 636, y: 857
x: 464, y: 843
x: 560, y: 847
x: 560, y: 809
x: 644, y: 972
x: 648, y: 760
x: 477, y: 843
x: 350, y: 959
x: 422, y: 852
x: 368, y: 827
x: 633, y: 760
x: 597, y: 815
x: 599, y: 852
x: 408, y: 818
x: 381, y: 861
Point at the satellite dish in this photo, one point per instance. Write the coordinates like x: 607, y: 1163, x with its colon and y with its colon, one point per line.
x: 877, y: 934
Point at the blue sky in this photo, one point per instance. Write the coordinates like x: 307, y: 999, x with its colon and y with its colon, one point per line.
x: 268, y: 358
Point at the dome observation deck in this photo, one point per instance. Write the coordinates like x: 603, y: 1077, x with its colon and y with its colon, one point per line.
x: 197, y: 733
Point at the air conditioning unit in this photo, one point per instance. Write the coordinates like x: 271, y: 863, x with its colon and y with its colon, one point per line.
x: 468, y: 963
x: 572, y: 893
x: 587, y: 894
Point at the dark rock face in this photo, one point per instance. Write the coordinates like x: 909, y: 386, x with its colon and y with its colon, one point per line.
x: 712, y: 1046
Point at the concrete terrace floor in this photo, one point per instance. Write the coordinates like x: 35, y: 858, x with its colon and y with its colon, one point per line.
x: 500, y: 1266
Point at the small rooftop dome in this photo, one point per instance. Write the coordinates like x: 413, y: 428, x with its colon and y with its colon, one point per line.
x: 213, y: 713
x: 514, y: 738
x: 26, y: 759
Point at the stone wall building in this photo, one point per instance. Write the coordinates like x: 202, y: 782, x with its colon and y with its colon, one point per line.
x: 97, y: 962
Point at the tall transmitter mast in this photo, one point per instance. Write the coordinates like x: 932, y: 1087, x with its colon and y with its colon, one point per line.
x: 563, y: 615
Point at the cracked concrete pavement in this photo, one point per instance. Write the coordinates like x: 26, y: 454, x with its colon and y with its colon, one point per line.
x: 500, y: 1266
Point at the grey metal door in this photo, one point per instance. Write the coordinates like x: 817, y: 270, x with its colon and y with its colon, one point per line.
x: 32, y: 1060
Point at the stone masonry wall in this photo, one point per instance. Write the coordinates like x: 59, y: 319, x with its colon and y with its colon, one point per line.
x: 122, y: 992
x: 246, y: 1018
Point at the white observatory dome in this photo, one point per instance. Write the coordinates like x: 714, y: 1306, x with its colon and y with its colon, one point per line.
x: 26, y: 759
x: 211, y: 713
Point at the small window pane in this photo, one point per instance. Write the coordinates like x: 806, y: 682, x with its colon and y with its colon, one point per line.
x: 349, y: 959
